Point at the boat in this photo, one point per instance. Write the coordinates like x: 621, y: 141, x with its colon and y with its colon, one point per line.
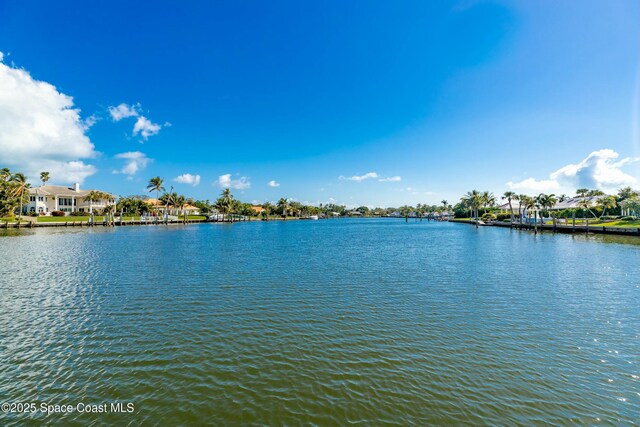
x: 314, y: 217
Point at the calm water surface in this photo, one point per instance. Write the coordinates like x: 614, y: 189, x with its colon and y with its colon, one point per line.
x: 337, y: 322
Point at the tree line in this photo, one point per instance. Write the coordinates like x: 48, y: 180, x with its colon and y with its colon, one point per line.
x: 591, y: 204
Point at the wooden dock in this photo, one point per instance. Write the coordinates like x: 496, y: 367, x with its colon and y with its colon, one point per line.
x: 117, y: 223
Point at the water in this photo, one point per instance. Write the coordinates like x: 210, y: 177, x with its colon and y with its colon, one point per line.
x: 338, y: 322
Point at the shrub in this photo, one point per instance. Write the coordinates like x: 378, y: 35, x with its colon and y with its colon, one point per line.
x: 610, y: 217
x: 57, y: 213
x: 488, y: 217
x: 77, y: 213
x: 628, y: 218
x: 503, y: 216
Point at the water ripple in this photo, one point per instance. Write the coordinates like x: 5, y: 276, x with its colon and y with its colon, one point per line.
x: 341, y: 322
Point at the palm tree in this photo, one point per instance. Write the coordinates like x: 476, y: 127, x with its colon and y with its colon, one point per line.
x: 93, y: 196
x: 283, y: 205
x: 631, y: 205
x: 550, y: 202
x: 225, y: 202
x: 521, y: 198
x: 5, y: 174
x: 20, y: 181
x: 546, y: 202
x: 474, y: 200
x: 295, y: 208
x: 608, y: 202
x: 526, y: 203
x: 267, y: 209
x: 44, y: 177
x: 180, y: 201
x: 582, y: 192
x: 509, y: 195
x: 538, y: 203
x: 585, y: 203
x: 488, y: 200
x: 155, y: 184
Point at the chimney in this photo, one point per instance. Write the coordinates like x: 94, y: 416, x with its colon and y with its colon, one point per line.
x: 76, y: 186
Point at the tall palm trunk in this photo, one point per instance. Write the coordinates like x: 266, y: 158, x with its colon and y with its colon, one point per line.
x: 512, y: 215
x: 20, y: 212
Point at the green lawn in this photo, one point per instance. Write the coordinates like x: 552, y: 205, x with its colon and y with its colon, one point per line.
x: 68, y: 218
x: 100, y: 218
x: 13, y: 219
x: 622, y: 224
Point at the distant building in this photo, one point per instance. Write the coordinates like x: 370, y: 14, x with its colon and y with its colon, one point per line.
x: 257, y: 209
x: 504, y: 208
x: 172, y: 210
x: 49, y: 198
x: 574, y: 202
x: 568, y: 203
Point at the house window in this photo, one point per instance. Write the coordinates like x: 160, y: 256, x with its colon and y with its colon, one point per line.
x: 40, y: 198
x: 32, y: 198
x: 65, y: 201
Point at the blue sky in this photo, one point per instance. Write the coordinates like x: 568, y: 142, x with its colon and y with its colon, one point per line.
x: 376, y: 103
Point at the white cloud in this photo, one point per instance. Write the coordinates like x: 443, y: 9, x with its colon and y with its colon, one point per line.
x: 391, y: 179
x: 534, y: 185
x: 123, y: 111
x: 134, y: 161
x: 273, y: 183
x: 225, y: 181
x: 89, y: 121
x: 146, y: 127
x: 360, y: 178
x: 40, y: 130
x: 599, y: 170
x: 187, y: 178
x: 143, y: 126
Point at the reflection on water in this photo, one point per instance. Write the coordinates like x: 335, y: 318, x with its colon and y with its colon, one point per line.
x: 368, y: 322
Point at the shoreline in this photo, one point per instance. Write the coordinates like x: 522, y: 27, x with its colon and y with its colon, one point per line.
x: 566, y: 229
x: 127, y: 223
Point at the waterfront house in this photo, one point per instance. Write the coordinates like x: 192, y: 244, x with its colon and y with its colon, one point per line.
x: 504, y: 208
x: 576, y: 202
x: 49, y: 198
x: 172, y: 210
